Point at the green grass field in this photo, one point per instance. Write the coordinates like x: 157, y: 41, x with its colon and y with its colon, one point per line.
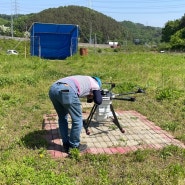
x: 24, y: 84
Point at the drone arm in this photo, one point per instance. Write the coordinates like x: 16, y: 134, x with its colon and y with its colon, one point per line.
x: 125, y: 98
x: 136, y: 92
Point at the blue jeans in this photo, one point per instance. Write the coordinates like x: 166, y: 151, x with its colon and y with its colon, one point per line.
x: 66, y: 101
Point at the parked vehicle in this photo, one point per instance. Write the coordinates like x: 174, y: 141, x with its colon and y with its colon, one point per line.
x: 12, y: 52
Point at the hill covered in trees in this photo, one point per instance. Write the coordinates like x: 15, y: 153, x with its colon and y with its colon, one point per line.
x: 142, y: 34
x: 93, y: 25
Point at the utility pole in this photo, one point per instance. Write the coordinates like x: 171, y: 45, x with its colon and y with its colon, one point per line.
x: 13, y: 14
x: 12, y: 25
x: 90, y: 23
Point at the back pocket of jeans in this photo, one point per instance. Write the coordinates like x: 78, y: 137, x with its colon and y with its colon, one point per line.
x: 66, y: 98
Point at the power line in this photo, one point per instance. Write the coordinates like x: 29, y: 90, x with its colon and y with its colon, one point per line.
x: 139, y: 2
x: 140, y: 6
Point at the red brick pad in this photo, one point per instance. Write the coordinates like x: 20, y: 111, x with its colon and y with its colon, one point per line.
x: 106, y: 138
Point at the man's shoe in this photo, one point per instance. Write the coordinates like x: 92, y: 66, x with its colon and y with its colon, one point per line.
x: 81, y: 148
x: 66, y: 147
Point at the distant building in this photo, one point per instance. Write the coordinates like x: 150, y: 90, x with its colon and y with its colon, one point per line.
x: 137, y: 41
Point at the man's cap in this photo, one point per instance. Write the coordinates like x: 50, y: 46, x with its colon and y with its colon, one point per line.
x: 98, y: 80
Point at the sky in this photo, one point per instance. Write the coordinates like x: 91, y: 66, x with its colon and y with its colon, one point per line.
x: 147, y: 12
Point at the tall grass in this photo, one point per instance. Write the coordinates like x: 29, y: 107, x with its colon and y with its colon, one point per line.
x: 24, y: 84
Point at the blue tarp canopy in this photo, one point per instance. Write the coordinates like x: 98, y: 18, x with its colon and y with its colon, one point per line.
x: 53, y: 41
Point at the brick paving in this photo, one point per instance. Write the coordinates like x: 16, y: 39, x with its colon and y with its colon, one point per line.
x: 105, y: 137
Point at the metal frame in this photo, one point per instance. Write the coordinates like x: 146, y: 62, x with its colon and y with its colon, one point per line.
x: 108, y: 93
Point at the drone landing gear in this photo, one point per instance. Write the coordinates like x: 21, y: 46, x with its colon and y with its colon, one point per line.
x: 116, y: 122
x: 86, y: 122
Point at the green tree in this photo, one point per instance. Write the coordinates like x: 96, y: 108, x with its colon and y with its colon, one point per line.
x: 177, y: 40
x: 182, y: 22
x: 170, y: 28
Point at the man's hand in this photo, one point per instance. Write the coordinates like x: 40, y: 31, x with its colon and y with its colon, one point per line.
x: 89, y: 98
